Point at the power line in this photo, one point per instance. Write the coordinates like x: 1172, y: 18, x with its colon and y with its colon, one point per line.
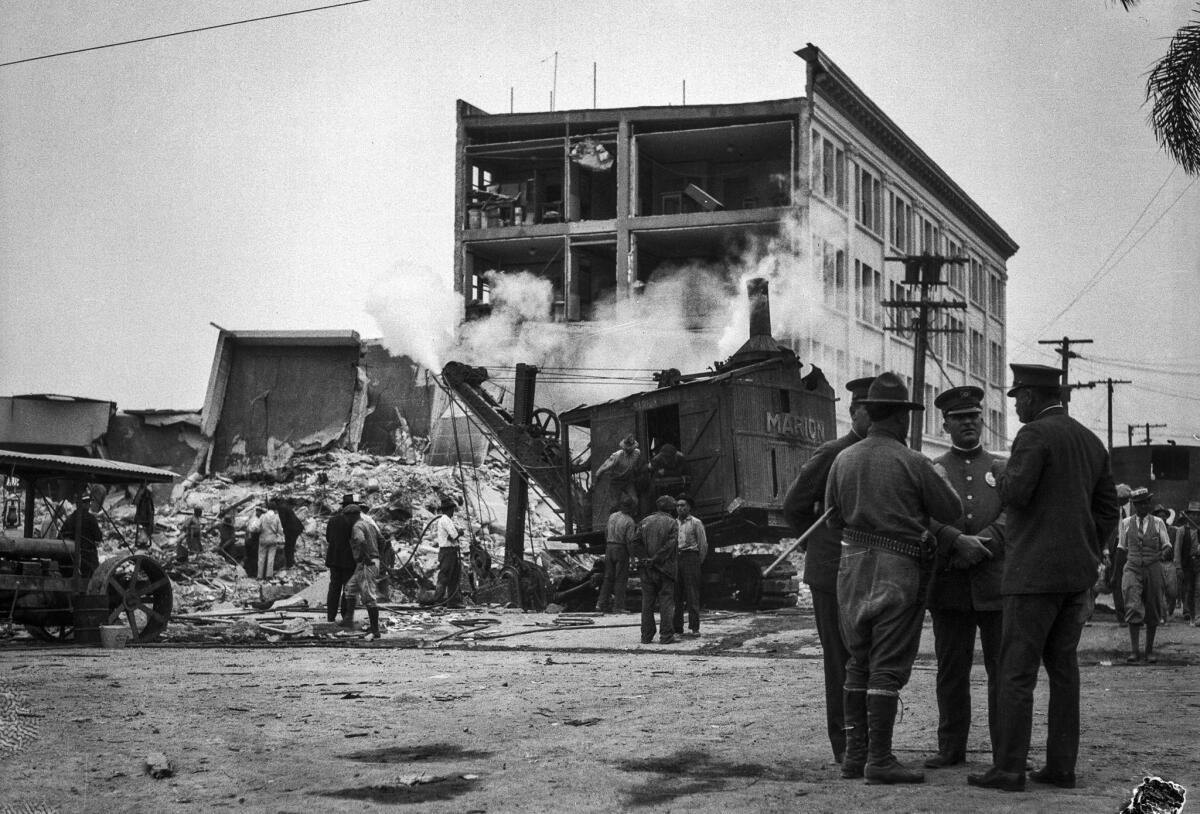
x: 1102, y: 272
x: 1169, y: 393
x: 1088, y: 285
x: 1146, y: 367
x: 178, y: 33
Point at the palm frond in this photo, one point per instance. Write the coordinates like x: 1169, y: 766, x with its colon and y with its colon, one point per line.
x: 1173, y: 89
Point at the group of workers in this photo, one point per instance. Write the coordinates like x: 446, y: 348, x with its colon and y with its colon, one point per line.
x: 669, y: 546
x: 1011, y: 548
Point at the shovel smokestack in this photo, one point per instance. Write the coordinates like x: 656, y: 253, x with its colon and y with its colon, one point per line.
x: 760, y: 307
x: 761, y: 345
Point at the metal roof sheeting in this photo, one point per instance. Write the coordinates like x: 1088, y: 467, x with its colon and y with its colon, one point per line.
x: 27, y: 465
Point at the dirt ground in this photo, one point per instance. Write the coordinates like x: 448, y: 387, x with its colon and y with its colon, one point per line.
x: 559, y: 720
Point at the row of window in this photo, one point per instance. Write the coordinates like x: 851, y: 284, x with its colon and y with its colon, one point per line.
x: 949, y: 343
x: 910, y: 231
x: 835, y: 364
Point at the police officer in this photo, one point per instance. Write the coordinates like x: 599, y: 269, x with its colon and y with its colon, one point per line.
x: 1061, y: 505
x: 802, y: 506
x: 962, y: 598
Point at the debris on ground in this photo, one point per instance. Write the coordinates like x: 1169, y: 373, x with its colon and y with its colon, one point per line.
x: 158, y: 766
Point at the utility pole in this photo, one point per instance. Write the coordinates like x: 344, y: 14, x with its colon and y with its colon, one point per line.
x: 924, y: 271
x: 1064, y: 350
x: 1147, y: 427
x: 1109, y: 383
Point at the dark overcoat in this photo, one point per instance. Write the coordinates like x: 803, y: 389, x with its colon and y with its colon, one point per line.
x: 1061, y: 506
x: 804, y: 503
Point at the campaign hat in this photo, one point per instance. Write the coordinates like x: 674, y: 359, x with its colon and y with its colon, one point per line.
x: 964, y: 400
x: 1042, y: 376
x: 889, y: 389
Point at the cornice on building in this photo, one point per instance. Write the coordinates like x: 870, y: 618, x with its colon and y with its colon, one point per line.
x: 829, y: 81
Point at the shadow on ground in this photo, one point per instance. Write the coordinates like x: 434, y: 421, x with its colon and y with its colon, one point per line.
x: 696, y: 772
x: 410, y: 754
x: 404, y: 794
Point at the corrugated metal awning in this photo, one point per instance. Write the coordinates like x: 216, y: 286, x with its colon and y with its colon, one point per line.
x: 26, y: 465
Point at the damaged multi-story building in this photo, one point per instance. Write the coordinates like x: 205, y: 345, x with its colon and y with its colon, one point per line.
x: 597, y: 200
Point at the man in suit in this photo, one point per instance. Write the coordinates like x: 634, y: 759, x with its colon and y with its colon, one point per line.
x: 802, y: 506
x: 1061, y: 506
x: 963, y: 598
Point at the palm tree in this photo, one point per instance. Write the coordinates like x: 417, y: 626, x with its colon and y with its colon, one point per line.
x: 1173, y: 91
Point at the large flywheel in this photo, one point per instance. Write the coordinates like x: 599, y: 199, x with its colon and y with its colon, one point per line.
x: 139, y: 594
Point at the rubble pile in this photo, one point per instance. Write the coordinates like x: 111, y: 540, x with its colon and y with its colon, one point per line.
x: 400, y: 496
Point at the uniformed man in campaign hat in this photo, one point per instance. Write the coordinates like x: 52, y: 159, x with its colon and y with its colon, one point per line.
x: 883, y: 495
x: 964, y: 598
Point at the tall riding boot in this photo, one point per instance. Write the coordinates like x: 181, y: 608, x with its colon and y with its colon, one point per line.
x: 854, y: 716
x: 348, y: 603
x: 1135, y: 650
x: 882, y: 766
x: 373, y: 615
x: 1150, y: 631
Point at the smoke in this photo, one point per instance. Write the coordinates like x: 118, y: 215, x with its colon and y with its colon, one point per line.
x: 416, y: 311
x: 688, y: 316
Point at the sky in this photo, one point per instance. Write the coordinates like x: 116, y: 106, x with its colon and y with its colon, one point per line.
x: 283, y: 174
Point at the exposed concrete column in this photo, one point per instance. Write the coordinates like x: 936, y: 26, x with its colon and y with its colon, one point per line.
x: 461, y: 283
x: 570, y: 283
x: 626, y: 185
x: 802, y: 156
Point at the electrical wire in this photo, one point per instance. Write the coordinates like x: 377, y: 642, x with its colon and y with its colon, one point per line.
x: 1102, y: 272
x: 1143, y: 366
x: 180, y: 33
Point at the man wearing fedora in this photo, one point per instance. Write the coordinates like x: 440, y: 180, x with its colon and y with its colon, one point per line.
x: 339, y: 559
x: 803, y: 504
x: 964, y: 598
x: 1061, y: 505
x: 1145, y: 540
x: 882, y: 496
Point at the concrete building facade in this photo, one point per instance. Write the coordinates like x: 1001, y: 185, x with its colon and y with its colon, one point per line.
x: 598, y: 200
